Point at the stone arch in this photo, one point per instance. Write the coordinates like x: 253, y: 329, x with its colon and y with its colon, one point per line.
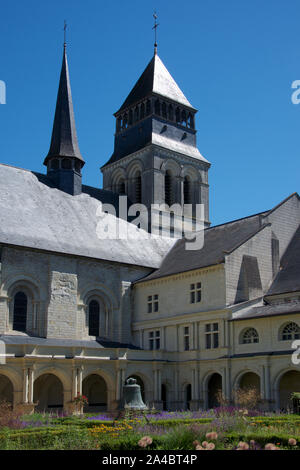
x: 171, y: 170
x: 248, y: 380
x: 48, y: 392
x: 30, y: 288
x: 286, y: 382
x: 107, y: 303
x: 14, y: 377
x: 192, y: 172
x: 134, y: 171
x: 109, y: 381
x: 212, y: 386
x: 94, y: 387
x: 6, y: 389
x: 119, y: 181
x: 172, y: 166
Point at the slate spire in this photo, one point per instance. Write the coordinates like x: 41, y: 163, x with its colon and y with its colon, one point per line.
x: 64, y: 141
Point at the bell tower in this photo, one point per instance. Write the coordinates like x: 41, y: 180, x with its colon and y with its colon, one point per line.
x: 155, y: 158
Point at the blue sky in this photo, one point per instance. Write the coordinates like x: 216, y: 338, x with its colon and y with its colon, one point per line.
x: 235, y: 61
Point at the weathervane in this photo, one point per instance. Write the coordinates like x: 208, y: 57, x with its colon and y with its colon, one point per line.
x: 155, y: 31
x: 65, y: 33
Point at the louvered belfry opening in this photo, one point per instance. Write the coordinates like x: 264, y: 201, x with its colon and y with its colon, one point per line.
x: 138, y: 188
x: 168, y: 188
x: 187, y: 190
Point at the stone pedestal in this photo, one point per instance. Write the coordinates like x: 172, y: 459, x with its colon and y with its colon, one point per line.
x: 25, y: 408
x: 73, y: 409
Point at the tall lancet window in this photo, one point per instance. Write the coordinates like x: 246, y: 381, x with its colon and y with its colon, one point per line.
x: 168, y: 188
x: 187, y: 190
x: 138, y: 188
x: 94, y: 318
x: 20, y: 312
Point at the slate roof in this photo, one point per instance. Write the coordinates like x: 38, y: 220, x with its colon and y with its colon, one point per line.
x: 99, y: 343
x: 34, y: 215
x: 288, y: 277
x: 267, y: 311
x: 155, y: 79
x: 64, y: 141
x: 218, y: 240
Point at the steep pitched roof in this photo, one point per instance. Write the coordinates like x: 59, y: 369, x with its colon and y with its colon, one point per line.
x: 34, y: 215
x: 155, y: 79
x: 217, y: 241
x: 64, y: 141
x: 288, y: 277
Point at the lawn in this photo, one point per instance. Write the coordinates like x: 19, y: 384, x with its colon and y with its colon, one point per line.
x: 218, y: 429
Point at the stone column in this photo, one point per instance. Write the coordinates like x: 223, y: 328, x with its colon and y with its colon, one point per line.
x: 25, y: 385
x: 195, y: 402
x: 30, y: 384
x: 157, y: 388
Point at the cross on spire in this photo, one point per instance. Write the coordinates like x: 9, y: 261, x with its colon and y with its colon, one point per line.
x: 155, y: 31
x: 65, y: 33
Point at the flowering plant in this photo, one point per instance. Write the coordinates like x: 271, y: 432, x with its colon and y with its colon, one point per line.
x: 81, y: 400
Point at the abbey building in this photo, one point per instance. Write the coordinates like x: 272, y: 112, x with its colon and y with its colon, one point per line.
x: 80, y: 313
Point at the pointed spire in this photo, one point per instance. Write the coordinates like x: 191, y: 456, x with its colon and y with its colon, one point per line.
x: 64, y: 137
x: 155, y: 79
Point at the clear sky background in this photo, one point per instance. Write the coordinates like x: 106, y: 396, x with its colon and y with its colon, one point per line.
x: 235, y: 61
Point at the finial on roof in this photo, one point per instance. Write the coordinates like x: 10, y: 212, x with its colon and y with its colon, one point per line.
x: 65, y: 34
x: 155, y: 32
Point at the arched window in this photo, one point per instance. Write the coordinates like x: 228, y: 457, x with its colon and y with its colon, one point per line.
x: 121, y: 187
x: 183, y: 118
x: 142, y: 113
x: 177, y: 115
x: 171, y: 112
x: 168, y: 188
x: 54, y: 164
x: 20, y: 312
x: 125, y: 121
x: 250, y: 336
x: 164, y: 110
x: 291, y: 331
x: 66, y: 164
x: 187, y: 190
x: 94, y: 318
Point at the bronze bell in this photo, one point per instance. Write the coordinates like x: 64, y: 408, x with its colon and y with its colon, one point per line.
x: 132, y: 397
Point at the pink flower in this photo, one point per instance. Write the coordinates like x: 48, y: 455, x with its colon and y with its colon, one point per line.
x: 198, y: 447
x: 204, y: 444
x: 145, y: 441
x: 210, y: 446
x: 211, y: 436
x: 292, y: 442
x: 271, y: 446
x: 243, y: 446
